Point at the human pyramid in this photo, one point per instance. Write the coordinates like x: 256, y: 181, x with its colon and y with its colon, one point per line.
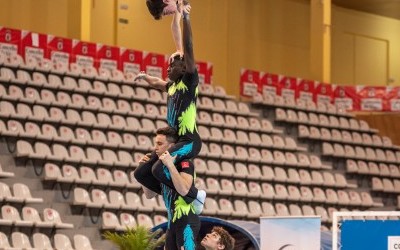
x: 169, y: 170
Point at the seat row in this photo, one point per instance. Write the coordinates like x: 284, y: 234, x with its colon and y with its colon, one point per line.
x: 299, y: 104
x: 358, y: 152
x: 74, y: 154
x: 385, y: 185
x: 30, y: 217
x: 322, y: 120
x: 263, y: 156
x: 241, y: 137
x: 41, y: 241
x: 75, y: 136
x: 110, y: 105
x: 236, y: 122
x: 282, y: 192
x: 254, y: 210
x: 112, y: 222
x: 372, y: 169
x: 250, y: 172
x: 345, y: 136
x: 115, y: 200
x: 225, y: 106
x: 20, y: 193
x: 72, y: 117
x: 86, y: 176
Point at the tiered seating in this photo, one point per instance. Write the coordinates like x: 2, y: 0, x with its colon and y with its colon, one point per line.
x: 350, y: 144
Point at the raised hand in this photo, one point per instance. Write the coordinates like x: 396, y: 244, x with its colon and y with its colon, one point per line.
x: 140, y: 76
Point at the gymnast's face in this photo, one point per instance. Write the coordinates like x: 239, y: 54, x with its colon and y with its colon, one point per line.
x: 176, y: 69
x: 161, y: 144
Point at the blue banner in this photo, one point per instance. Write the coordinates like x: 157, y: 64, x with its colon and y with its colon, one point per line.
x: 370, y: 234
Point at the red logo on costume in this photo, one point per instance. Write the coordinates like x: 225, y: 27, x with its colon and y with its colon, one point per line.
x: 185, y: 164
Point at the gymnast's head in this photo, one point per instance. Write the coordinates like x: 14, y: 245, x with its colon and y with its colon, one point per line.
x: 160, y: 8
x: 177, y: 68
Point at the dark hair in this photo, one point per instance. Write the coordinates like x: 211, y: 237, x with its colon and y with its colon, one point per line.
x: 156, y: 8
x: 225, y: 238
x: 169, y: 132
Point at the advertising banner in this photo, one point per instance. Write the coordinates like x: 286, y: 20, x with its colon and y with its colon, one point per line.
x: 323, y: 93
x: 155, y: 64
x: 249, y: 82
x: 370, y: 234
x: 59, y: 50
x: 371, y: 98
x: 305, y: 90
x: 33, y: 46
x: 130, y: 61
x: 346, y: 98
x: 205, y: 70
x: 10, y: 40
x: 107, y: 57
x: 269, y: 84
x: 84, y: 53
x: 290, y: 233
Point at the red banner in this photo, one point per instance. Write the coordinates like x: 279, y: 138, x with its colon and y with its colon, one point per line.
x: 84, y: 53
x: 59, y: 51
x: 323, y: 93
x: 249, y: 82
x: 155, y: 64
x: 346, y: 98
x: 392, y: 99
x: 205, y: 70
x: 130, y: 61
x: 288, y: 87
x: 371, y: 98
x: 10, y: 40
x: 33, y: 46
x: 269, y: 84
x: 107, y: 57
x: 305, y: 90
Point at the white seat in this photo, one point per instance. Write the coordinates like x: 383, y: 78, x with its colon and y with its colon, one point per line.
x: 99, y: 198
x: 145, y: 220
x: 82, y: 242
x: 41, y: 241
x: 127, y: 221
x: 281, y: 209
x: 62, y: 242
x: 21, y: 241
x: 51, y: 215
x: 21, y: 191
x: 268, y: 209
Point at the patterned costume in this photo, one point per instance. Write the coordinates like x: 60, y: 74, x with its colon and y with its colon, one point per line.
x: 181, y: 115
x: 183, y: 223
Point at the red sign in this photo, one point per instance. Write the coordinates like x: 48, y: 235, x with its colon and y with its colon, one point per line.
x: 249, y: 82
x: 371, y: 98
x: 107, y: 57
x: 10, y: 40
x: 33, y: 46
x: 155, y: 64
x: 346, y: 98
x: 323, y: 93
x: 288, y: 87
x: 130, y: 61
x: 305, y: 90
x: 269, y: 84
x: 59, y: 51
x: 205, y: 70
x: 392, y: 100
x: 84, y: 53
